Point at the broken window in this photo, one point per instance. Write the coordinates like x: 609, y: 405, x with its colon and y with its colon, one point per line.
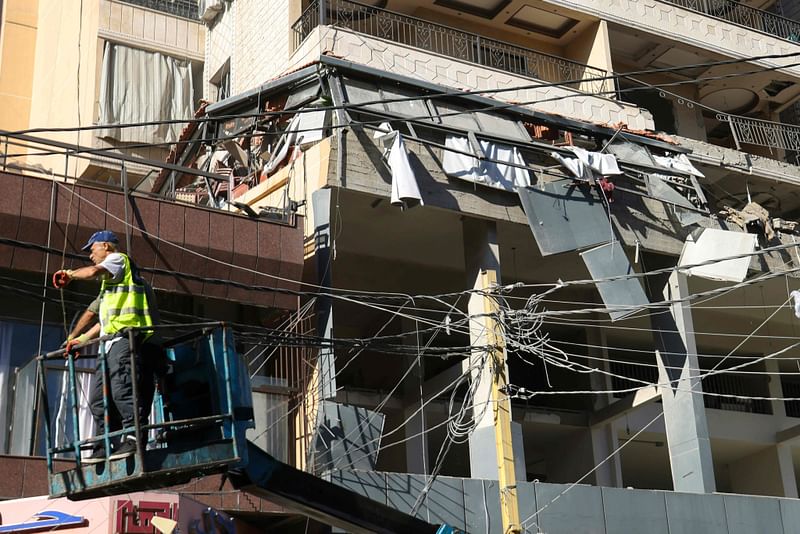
x: 141, y: 86
x: 360, y: 93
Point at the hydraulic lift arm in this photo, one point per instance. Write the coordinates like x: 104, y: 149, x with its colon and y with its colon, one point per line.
x: 266, y: 477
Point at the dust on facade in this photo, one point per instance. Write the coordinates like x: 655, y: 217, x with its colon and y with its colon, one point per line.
x: 502, y: 265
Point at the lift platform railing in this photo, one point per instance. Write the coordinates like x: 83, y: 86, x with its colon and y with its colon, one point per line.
x: 206, y: 392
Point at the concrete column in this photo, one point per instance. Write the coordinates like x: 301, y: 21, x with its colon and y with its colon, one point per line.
x: 684, y: 411
x: 769, y: 471
x: 775, y: 388
x: 417, y: 441
x: 323, y: 244
x: 480, y: 253
x: 604, y: 437
x: 786, y: 466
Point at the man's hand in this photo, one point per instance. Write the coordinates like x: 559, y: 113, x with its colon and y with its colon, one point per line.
x: 62, y: 278
x: 72, y: 344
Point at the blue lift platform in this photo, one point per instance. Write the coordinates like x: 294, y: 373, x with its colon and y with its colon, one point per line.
x: 202, y: 410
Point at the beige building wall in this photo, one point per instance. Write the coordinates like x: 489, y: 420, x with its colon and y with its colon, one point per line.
x: 17, y: 50
x: 256, y: 36
x: 65, y: 67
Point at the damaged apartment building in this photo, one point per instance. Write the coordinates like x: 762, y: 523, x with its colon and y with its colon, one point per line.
x: 606, y: 192
x: 639, y: 230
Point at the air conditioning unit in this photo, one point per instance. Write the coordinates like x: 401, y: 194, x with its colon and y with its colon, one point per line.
x: 209, y: 10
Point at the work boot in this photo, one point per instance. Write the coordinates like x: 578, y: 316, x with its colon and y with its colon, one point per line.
x: 97, y: 456
x: 126, y: 448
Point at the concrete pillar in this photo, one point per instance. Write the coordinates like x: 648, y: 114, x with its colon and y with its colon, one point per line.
x: 323, y: 244
x: 480, y: 253
x: 417, y: 440
x: 604, y: 437
x: 684, y: 411
x: 775, y: 388
x: 769, y: 471
x: 786, y: 466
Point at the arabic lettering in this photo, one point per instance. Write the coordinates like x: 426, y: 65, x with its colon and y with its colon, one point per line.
x: 135, y: 518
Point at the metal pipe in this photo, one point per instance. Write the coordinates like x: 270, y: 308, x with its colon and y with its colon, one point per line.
x: 44, y: 404
x: 135, y: 379
x: 73, y: 393
x: 126, y: 195
x: 106, y: 389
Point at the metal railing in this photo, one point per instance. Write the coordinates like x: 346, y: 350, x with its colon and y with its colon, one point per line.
x: 744, y: 15
x: 180, y: 8
x: 728, y: 384
x: 740, y: 385
x: 451, y: 42
x: 775, y: 135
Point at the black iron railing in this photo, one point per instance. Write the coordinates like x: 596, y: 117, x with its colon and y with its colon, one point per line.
x: 737, y: 391
x: 775, y: 135
x: 180, y: 8
x: 745, y: 15
x: 451, y: 42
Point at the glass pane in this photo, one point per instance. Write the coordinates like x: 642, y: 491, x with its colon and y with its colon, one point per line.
x: 456, y: 116
x: 500, y: 126
x: 416, y: 109
x: 359, y: 92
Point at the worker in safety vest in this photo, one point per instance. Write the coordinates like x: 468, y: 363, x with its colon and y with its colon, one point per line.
x: 123, y: 304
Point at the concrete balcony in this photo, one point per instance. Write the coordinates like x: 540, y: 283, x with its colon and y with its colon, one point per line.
x: 186, y: 9
x: 693, y: 23
x: 745, y: 15
x: 448, y: 56
x: 140, y: 24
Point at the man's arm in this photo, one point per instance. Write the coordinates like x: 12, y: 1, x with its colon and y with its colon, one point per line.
x: 86, y: 319
x: 90, y: 272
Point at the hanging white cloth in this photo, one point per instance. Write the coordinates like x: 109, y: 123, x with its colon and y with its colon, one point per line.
x: 587, y: 165
x: 796, y: 296
x: 498, y: 175
x: 678, y: 163
x: 405, y: 190
x: 63, y: 430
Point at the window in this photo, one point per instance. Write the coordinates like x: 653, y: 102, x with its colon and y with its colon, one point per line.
x: 140, y: 86
x: 221, y: 82
x: 18, y: 344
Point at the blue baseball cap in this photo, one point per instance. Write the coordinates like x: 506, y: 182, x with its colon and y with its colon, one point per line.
x: 103, y: 236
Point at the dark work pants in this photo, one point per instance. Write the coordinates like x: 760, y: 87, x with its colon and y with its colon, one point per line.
x: 120, y: 399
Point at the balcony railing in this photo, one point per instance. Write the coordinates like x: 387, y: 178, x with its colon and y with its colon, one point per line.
x: 451, y: 42
x: 180, y: 8
x: 775, y: 135
x: 745, y: 15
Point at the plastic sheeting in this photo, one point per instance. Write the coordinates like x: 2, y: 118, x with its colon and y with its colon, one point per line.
x: 497, y: 175
x: 140, y: 86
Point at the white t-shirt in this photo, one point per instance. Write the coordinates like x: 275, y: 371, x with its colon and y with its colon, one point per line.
x: 115, y: 265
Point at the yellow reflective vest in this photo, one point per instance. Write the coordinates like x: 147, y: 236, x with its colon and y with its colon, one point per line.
x: 124, y: 304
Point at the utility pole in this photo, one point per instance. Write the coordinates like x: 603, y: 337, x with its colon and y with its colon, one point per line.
x: 501, y: 408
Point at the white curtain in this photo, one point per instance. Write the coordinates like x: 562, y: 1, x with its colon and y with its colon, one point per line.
x: 6, y: 332
x: 141, y: 86
x: 63, y: 430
